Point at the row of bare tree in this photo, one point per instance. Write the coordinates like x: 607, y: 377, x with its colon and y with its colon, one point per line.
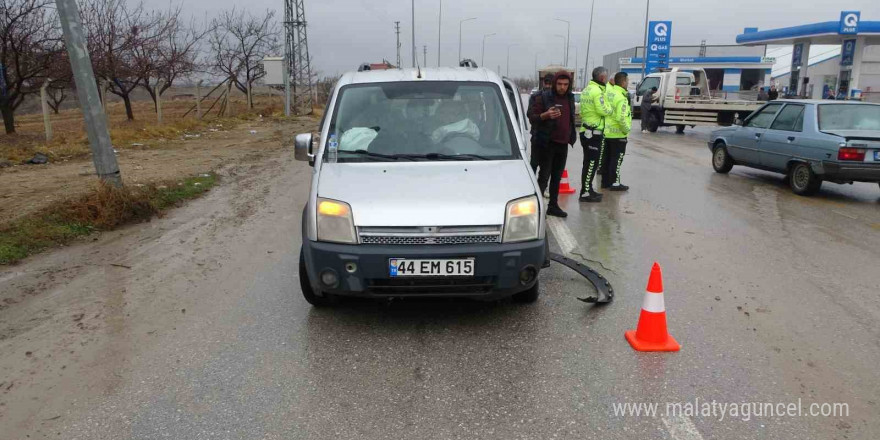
x: 131, y: 46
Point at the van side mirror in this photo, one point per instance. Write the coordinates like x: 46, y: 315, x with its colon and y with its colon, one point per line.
x: 302, y: 147
x: 738, y: 121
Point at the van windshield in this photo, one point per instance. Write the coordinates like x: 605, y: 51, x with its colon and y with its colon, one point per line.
x: 424, y: 120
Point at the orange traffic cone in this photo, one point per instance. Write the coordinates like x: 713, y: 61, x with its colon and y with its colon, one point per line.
x: 564, y: 187
x: 651, y: 333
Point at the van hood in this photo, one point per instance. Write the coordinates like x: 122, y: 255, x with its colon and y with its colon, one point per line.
x: 472, y: 193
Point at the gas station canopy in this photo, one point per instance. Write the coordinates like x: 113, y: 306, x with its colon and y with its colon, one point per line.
x: 817, y: 33
x: 850, y: 32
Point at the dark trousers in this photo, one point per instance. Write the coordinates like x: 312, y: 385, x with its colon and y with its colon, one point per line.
x: 645, y: 119
x: 551, y: 162
x: 535, y: 158
x: 594, y: 153
x: 616, y: 148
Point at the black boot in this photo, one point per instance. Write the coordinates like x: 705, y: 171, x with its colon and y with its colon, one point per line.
x: 556, y: 211
x: 590, y: 197
x: 618, y: 187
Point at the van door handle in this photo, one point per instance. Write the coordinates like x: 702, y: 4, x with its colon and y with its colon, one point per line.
x: 791, y: 138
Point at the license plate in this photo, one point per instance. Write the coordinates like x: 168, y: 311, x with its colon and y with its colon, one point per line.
x: 401, y: 267
x: 877, y: 156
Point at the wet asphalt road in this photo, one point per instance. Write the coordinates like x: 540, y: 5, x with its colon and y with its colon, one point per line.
x: 773, y: 298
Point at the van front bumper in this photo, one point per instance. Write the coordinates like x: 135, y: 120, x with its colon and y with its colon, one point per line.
x: 497, y: 269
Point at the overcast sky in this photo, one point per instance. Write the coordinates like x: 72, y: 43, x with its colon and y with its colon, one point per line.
x: 345, y: 33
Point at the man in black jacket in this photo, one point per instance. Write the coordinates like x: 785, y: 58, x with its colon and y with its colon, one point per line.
x: 547, y: 85
x: 552, y: 116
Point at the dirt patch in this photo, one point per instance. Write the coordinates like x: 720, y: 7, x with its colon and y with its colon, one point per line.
x: 29, y: 188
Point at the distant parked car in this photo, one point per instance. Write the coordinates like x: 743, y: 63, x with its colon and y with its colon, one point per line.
x: 810, y: 141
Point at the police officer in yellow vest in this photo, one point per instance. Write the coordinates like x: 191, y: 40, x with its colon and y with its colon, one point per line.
x: 617, y: 127
x: 595, y: 107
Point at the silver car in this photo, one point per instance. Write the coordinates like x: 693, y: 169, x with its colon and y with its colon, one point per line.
x: 421, y: 187
x: 809, y: 141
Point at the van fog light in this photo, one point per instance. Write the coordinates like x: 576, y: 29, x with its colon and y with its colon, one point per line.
x: 528, y: 275
x: 329, y: 278
x: 351, y: 267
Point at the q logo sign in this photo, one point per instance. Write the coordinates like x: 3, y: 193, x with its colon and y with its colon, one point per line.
x: 661, y: 30
x: 851, y: 20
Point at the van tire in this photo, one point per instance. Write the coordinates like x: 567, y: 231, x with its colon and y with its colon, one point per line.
x: 529, y: 296
x: 721, y: 161
x: 802, y: 180
x: 306, y: 286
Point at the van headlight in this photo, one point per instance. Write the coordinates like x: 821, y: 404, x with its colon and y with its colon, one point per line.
x: 521, y: 220
x: 335, y: 222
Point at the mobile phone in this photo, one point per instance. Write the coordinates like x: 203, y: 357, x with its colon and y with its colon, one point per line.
x: 558, y: 106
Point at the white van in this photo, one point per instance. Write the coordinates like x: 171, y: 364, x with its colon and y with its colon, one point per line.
x: 421, y: 187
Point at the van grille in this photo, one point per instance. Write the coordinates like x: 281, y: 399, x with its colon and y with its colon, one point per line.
x: 431, y: 235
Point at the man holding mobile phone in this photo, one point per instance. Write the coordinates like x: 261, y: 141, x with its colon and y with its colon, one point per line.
x: 552, y: 116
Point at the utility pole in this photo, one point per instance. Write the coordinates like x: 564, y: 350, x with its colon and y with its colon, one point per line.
x: 87, y: 92
x: 44, y: 104
x: 483, y: 53
x: 397, y: 31
x: 589, y: 40
x: 459, y: 36
x: 439, y: 28
x: 159, y: 84
x: 425, y: 55
x: 645, y: 49
x: 414, y: 33
x: 564, y: 48
x: 199, y: 97
x: 567, y: 39
x: 296, y: 52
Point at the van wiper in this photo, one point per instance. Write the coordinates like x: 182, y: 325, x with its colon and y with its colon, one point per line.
x: 376, y: 155
x: 440, y: 156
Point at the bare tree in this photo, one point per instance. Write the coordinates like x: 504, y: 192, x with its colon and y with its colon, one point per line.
x: 239, y: 42
x: 30, y: 39
x: 118, y: 34
x: 60, y: 81
x: 176, y: 55
x: 525, y: 83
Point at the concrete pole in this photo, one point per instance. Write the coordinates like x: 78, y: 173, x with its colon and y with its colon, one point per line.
x: 87, y: 92
x: 104, y: 88
x: 250, y: 99
x: 439, y: 28
x: 228, y: 109
x: 414, y: 33
x: 44, y: 101
x: 587, y: 72
x: 159, y: 84
x: 199, y: 99
x: 645, y: 51
x: 287, y: 88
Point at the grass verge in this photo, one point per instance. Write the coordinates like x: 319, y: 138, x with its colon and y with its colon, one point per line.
x: 103, y: 209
